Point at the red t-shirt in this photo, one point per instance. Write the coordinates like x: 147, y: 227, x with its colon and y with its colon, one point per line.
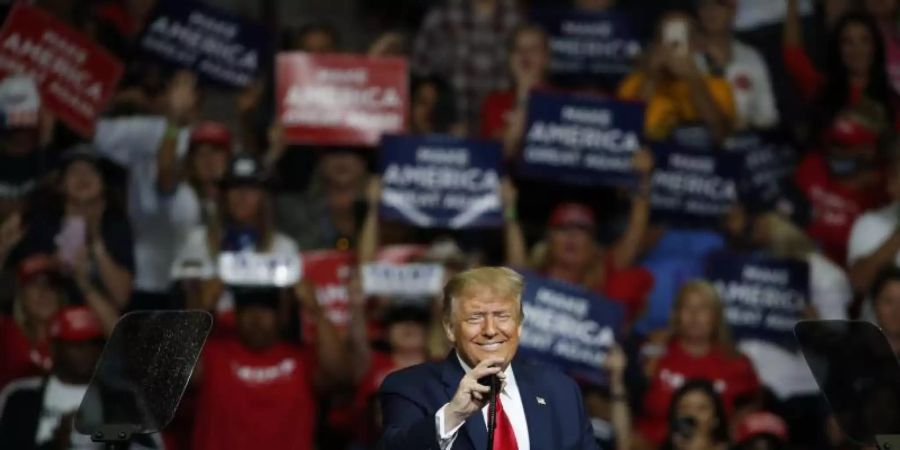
x: 733, y: 377
x: 19, y: 357
x: 834, y: 207
x: 495, y: 114
x: 627, y: 286
x: 254, y: 400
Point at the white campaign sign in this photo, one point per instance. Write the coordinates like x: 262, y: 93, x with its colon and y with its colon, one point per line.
x: 259, y: 269
x: 402, y: 281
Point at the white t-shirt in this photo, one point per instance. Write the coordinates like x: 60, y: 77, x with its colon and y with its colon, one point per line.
x: 870, y: 231
x: 787, y: 373
x: 159, y: 221
x: 753, y: 14
x: 748, y: 76
x: 751, y: 85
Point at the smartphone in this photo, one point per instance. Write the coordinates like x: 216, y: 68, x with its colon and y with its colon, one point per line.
x: 71, y: 238
x: 676, y: 34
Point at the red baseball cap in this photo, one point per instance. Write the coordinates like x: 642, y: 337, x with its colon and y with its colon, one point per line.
x: 215, y: 133
x: 848, y: 131
x: 761, y: 423
x: 572, y: 215
x: 75, y: 323
x: 38, y: 266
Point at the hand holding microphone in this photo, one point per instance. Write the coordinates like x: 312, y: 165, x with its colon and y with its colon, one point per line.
x: 471, y: 395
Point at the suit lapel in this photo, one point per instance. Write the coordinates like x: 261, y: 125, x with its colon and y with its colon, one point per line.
x: 474, y: 427
x: 537, y: 409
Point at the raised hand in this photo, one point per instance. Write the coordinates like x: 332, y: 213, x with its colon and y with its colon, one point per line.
x: 471, y: 395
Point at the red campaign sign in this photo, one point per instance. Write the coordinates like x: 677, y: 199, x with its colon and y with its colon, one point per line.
x: 75, y: 75
x: 341, y: 99
x: 329, y: 272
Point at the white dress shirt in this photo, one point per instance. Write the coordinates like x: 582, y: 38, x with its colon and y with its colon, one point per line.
x: 512, y: 408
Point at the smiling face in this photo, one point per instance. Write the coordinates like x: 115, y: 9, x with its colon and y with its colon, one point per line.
x: 484, y: 322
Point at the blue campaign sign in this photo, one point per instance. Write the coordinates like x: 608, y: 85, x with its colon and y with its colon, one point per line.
x: 693, y: 188
x: 581, y: 139
x: 441, y: 181
x: 218, y: 46
x: 568, y: 327
x: 768, y: 160
x: 589, y: 47
x: 763, y: 297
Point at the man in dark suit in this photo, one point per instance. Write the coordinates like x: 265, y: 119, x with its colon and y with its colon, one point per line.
x: 442, y: 405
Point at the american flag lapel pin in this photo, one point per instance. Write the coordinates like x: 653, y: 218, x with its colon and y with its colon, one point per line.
x: 541, y: 401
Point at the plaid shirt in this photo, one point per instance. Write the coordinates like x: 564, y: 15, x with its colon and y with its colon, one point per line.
x: 470, y: 51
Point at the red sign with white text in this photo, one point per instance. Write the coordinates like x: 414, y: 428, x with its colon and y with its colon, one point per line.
x: 329, y: 271
x: 341, y: 99
x: 74, y: 74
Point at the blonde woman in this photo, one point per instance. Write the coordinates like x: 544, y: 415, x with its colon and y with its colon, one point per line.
x: 697, y: 346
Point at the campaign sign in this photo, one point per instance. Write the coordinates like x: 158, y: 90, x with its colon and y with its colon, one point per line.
x: 768, y: 161
x: 329, y: 273
x: 441, y: 181
x: 581, y: 140
x: 403, y: 281
x: 589, y: 46
x: 75, y: 75
x: 259, y: 269
x: 340, y: 99
x: 218, y: 46
x: 763, y: 297
x: 693, y: 188
x: 568, y: 327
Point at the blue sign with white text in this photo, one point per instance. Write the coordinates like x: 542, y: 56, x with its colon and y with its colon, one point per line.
x: 568, y: 327
x: 217, y: 46
x: 693, y: 188
x: 769, y: 161
x: 763, y: 297
x: 441, y: 181
x: 581, y: 140
x: 589, y: 48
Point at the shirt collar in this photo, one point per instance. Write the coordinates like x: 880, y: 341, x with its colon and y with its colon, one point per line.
x: 510, y: 377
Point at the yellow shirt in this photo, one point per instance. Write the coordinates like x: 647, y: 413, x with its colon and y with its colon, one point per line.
x: 671, y: 104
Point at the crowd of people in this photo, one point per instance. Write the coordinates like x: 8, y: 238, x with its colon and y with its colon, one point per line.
x: 95, y: 227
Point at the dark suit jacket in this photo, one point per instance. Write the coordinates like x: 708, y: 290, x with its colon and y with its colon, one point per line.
x: 410, y: 398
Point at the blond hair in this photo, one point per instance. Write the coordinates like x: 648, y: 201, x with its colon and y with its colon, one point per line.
x: 722, y: 335
x: 503, y: 281
x: 783, y: 238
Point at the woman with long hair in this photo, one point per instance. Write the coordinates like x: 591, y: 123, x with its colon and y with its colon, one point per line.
x: 697, y: 419
x: 80, y: 219
x: 243, y: 223
x: 697, y: 345
x: 855, y: 68
x: 503, y: 112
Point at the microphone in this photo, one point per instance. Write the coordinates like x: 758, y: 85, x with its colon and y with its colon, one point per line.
x: 494, y: 382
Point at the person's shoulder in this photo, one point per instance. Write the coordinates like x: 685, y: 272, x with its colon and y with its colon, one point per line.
x: 19, y: 390
x: 411, y: 378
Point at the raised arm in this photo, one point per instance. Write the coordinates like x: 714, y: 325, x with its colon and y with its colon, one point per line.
x: 333, y: 365
x: 514, y: 238
x: 620, y: 411
x: 627, y: 248
x: 367, y: 248
x: 181, y: 103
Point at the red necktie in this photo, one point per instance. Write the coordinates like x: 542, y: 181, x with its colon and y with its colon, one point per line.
x: 504, y: 437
